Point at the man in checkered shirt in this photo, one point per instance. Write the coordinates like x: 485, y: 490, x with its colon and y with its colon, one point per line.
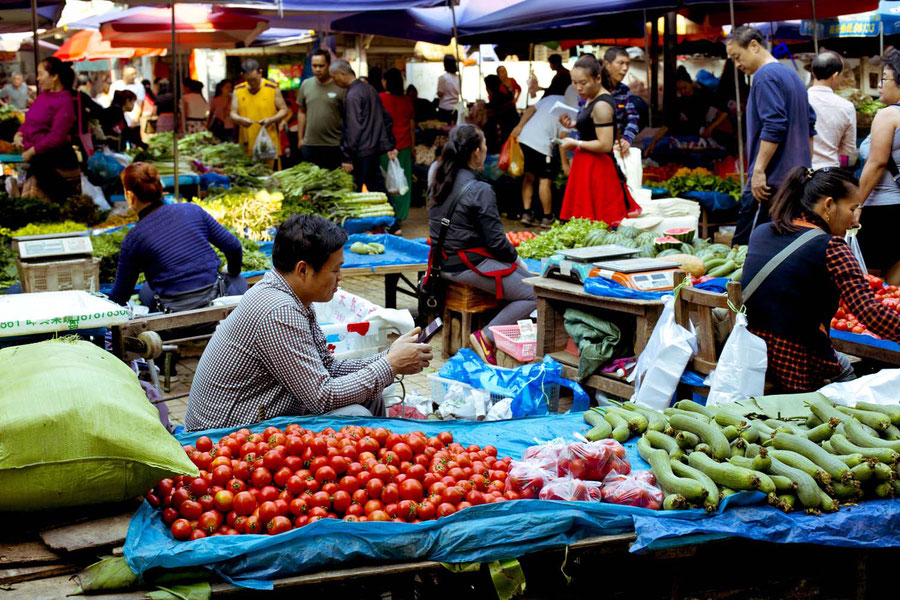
x: 269, y: 357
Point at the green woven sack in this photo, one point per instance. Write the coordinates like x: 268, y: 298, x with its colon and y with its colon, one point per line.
x: 76, y: 428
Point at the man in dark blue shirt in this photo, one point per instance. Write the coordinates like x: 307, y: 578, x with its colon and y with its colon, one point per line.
x: 780, y: 125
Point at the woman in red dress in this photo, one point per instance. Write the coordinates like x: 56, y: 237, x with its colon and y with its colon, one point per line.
x: 596, y: 189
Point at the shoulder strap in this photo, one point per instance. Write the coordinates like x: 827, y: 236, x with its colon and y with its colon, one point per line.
x: 445, y: 221
x: 779, y: 258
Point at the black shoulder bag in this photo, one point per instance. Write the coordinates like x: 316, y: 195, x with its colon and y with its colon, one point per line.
x: 430, y: 289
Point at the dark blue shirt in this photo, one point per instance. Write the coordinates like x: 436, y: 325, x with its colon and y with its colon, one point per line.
x: 171, y: 246
x: 778, y: 111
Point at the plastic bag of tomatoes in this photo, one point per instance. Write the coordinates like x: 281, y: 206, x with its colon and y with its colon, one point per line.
x: 275, y: 481
x: 594, y: 460
x: 634, y: 489
x: 548, y: 454
x: 572, y: 490
x: 528, y: 478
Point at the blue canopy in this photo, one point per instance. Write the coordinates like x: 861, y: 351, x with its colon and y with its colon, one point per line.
x: 868, y: 24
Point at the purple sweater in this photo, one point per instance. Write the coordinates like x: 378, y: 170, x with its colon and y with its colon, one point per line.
x: 171, y: 246
x: 48, y: 121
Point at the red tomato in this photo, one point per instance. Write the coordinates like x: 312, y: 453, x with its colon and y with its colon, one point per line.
x: 406, y: 510
x: 198, y: 487
x: 267, y: 512
x: 341, y: 501
x: 411, y: 489
x: 445, y: 509
x: 378, y: 515
x: 190, y: 509
x: 261, y: 477
x: 224, y: 500
x: 452, y: 495
x: 204, y: 444
x: 325, y: 474
x: 403, y: 451
x: 858, y: 329
x: 279, y: 524
x: 339, y: 464
x: 299, y: 506
x: 426, y: 511
x: 295, y: 485
x: 475, y: 497
x: 281, y: 476
x: 244, y: 503
x: 181, y: 529
x: 390, y: 494
x: 349, y: 484
x: 210, y: 521
x: 372, y: 506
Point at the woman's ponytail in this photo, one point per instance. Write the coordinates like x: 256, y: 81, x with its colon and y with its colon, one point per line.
x: 801, y: 191
x: 462, y: 142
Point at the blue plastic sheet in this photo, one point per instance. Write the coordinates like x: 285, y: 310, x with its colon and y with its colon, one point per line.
x: 480, y: 534
x: 527, y: 382
x: 397, y: 251
x: 534, y: 266
x: 867, y: 340
x: 718, y: 285
x: 871, y: 524
x: 601, y: 286
x: 367, y: 224
x: 712, y: 200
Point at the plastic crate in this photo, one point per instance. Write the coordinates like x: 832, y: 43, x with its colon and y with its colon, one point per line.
x: 506, y: 337
x: 55, y: 276
x: 440, y: 386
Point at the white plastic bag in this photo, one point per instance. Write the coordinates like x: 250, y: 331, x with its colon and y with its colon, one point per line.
x: 96, y: 194
x: 465, y: 402
x: 264, y: 147
x: 741, y: 370
x: 661, y: 364
x: 877, y: 388
x: 395, y: 179
x: 851, y: 239
x: 632, y: 168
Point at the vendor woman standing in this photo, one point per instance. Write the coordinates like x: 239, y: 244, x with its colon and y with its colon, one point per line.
x: 792, y: 307
x: 596, y: 188
x: 170, y: 244
x: 44, y: 136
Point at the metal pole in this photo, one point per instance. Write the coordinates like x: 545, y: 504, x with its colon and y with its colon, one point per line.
x: 459, y: 68
x: 175, y: 86
x: 881, y: 39
x: 737, y: 101
x: 530, y: 70
x: 34, y: 28
x: 815, y: 27
x: 647, y: 66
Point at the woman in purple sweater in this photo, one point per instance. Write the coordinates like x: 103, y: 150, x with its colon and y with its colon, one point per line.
x: 44, y: 136
x: 170, y: 244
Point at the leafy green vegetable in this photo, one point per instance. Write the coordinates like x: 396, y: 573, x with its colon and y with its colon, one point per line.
x: 558, y: 237
x: 703, y: 183
x: 45, y: 228
x: 19, y: 212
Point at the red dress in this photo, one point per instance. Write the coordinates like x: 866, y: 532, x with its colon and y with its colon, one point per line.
x: 596, y: 188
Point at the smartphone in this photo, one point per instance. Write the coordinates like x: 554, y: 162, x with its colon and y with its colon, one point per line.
x: 429, y: 331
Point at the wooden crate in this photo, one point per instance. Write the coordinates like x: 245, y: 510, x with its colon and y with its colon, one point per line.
x: 467, y: 299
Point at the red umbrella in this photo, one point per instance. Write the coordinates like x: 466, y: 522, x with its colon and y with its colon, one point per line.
x: 89, y: 45
x: 195, y: 27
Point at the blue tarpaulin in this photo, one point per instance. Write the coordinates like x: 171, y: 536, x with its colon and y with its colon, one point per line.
x: 866, y: 340
x: 397, y: 251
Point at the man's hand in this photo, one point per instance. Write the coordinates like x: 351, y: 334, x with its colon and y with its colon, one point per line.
x: 516, y: 132
x: 624, y: 146
x: 392, y: 154
x: 406, y: 357
x: 347, y: 167
x: 28, y: 154
x: 243, y: 121
x: 758, y: 186
x: 19, y: 140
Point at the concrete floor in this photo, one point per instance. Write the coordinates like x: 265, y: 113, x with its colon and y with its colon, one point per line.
x: 369, y: 287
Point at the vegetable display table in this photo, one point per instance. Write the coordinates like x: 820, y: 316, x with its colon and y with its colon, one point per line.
x: 555, y: 296
x: 865, y: 346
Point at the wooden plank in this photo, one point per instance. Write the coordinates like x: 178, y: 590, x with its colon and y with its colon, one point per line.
x: 20, y: 574
x: 567, y: 290
x: 31, y: 552
x: 186, y: 318
x: 99, y: 533
x: 883, y: 355
x: 57, y: 588
x: 383, y: 270
x: 606, y: 383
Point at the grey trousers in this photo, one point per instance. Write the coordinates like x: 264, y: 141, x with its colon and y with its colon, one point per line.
x: 372, y: 408
x: 519, y: 296
x: 847, y: 373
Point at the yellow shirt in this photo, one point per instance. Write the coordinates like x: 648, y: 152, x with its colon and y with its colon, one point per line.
x: 257, y: 107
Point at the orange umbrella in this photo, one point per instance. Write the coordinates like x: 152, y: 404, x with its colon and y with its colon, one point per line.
x: 195, y: 27
x: 89, y: 45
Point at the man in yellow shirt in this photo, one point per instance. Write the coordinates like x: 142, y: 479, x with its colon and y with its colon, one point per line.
x: 257, y: 103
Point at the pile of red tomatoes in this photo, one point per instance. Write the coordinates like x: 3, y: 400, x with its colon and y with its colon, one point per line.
x: 275, y: 481
x: 888, y: 295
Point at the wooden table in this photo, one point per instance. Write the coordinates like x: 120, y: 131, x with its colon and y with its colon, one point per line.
x: 554, y: 296
x: 882, y: 355
x: 393, y: 275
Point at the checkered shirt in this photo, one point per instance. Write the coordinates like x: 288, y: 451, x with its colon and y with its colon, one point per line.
x: 270, y: 358
x: 627, y: 115
x: 797, y: 367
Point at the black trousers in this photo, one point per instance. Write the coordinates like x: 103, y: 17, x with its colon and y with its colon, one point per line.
x: 326, y: 157
x: 751, y: 215
x: 367, y: 171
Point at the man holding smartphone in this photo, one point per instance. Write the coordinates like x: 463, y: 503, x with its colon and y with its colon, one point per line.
x: 269, y: 357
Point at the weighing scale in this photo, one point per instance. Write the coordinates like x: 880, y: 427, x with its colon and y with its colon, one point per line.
x: 53, y: 245
x: 577, y: 264
x: 644, y: 274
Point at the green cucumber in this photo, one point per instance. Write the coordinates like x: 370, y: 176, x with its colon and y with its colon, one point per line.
x: 845, y: 446
x: 731, y: 433
x: 891, y: 411
x: 764, y: 430
x: 892, y: 433
x: 766, y: 485
x: 661, y: 441
x: 705, y: 449
x: 637, y: 423
x: 738, y: 447
x: 750, y: 433
x: 864, y: 471
x: 848, y: 490
x: 882, y: 471
x: 824, y: 409
x: 782, y: 483
x: 822, y: 432
x: 884, y: 490
x: 737, y: 274
x: 711, y: 502
x: 672, y: 411
x: 656, y: 420
x: 851, y: 460
x: 725, y: 418
x: 661, y: 466
x: 694, y: 407
x: 674, y: 502
x: 784, y: 427
x: 722, y: 270
x: 620, y: 431
x: 798, y: 461
x: 814, y: 452
x: 827, y: 503
x: 806, y: 487
x: 813, y: 421
x: 726, y: 474
x: 711, y: 434
x: 724, y: 492
x: 856, y: 435
x: 875, y: 420
x: 896, y: 484
x: 754, y: 450
x: 687, y: 440
x: 600, y: 428
x: 786, y: 502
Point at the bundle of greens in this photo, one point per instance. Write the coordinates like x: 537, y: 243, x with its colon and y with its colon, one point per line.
x: 248, y: 212
x: 106, y: 248
x: 44, y: 228
x: 19, y: 212
x: 559, y: 237
x: 231, y: 159
x: 358, y: 205
x: 9, y: 274
x: 308, y: 183
x: 701, y: 180
x: 254, y: 259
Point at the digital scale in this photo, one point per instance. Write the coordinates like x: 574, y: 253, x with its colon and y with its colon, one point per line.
x: 576, y: 264
x: 644, y: 274
x: 53, y: 245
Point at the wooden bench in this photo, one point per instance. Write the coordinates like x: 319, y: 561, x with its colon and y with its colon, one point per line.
x: 462, y: 306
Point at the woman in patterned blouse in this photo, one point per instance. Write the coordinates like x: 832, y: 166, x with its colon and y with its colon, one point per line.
x: 792, y: 308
